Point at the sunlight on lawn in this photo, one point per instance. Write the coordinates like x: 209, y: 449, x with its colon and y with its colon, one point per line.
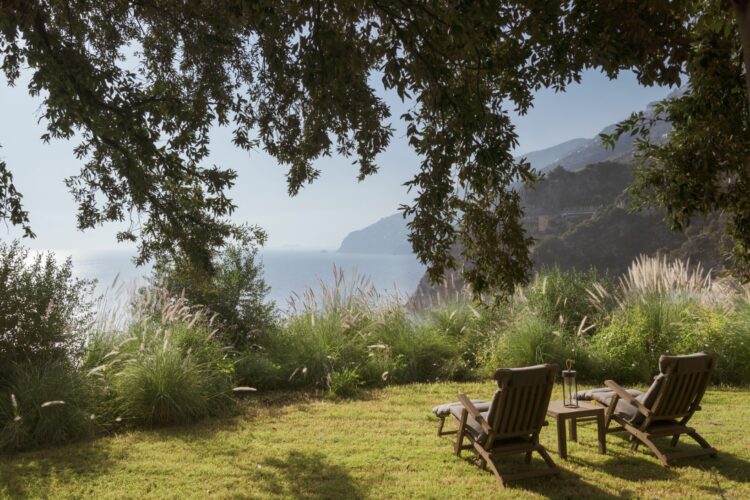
x: 382, y: 445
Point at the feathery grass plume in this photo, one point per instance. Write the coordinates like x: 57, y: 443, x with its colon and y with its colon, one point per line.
x: 163, y: 364
x: 650, y: 277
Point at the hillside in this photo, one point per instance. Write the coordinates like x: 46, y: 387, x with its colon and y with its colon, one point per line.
x: 581, y: 220
x: 591, y: 151
x: 388, y: 236
x: 548, y: 156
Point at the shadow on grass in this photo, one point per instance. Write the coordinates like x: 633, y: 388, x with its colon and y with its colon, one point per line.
x: 38, y: 470
x: 567, y: 484
x: 307, y: 475
x: 726, y: 464
x: 643, y: 466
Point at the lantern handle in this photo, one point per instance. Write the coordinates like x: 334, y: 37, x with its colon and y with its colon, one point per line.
x: 569, y: 364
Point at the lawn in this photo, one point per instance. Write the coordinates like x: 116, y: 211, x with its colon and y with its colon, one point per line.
x: 383, y: 445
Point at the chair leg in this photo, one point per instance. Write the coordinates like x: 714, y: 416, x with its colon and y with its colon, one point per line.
x: 659, y: 454
x: 547, y: 458
x: 675, y: 440
x: 460, y: 433
x: 634, y: 443
x: 440, y: 426
x: 527, y: 458
x: 699, y: 439
x: 487, y: 460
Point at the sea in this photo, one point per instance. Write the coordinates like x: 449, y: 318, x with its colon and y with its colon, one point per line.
x: 287, y: 272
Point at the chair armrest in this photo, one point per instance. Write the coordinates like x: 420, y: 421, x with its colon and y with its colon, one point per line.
x: 625, y: 395
x: 472, y: 410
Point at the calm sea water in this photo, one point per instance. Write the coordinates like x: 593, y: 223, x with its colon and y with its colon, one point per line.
x: 285, y: 271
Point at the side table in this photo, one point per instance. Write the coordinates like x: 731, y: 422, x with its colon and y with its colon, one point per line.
x: 584, y: 412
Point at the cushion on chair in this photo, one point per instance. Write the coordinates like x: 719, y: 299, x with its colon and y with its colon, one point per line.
x: 604, y: 395
x: 624, y: 409
x: 472, y: 426
x: 649, y: 398
x: 444, y: 410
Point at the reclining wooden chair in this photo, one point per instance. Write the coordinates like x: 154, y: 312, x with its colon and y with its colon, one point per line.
x: 512, y: 422
x: 663, y: 410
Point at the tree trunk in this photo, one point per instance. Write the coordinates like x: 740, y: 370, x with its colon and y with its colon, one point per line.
x: 742, y: 11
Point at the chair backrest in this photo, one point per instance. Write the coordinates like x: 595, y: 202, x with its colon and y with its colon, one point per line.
x: 520, y: 404
x: 683, y: 382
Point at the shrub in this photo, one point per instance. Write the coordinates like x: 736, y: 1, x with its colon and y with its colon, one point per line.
x: 344, y: 383
x: 527, y: 340
x: 416, y: 351
x: 256, y: 369
x: 562, y: 298
x: 725, y: 332
x: 234, y: 289
x: 44, y: 311
x: 470, y: 326
x: 163, y: 387
x: 630, y: 345
x: 310, y: 346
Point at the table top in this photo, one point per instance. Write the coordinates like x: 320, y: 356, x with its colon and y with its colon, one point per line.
x: 585, y: 408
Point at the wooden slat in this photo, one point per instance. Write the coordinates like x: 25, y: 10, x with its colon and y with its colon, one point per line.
x: 522, y: 421
x: 509, y: 422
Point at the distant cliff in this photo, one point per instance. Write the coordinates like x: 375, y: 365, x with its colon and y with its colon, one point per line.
x: 388, y: 236
x: 581, y: 220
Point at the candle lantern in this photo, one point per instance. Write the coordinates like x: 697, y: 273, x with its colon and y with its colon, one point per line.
x: 570, y: 386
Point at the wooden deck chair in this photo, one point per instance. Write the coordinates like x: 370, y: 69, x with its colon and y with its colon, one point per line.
x: 512, y: 422
x: 665, y: 409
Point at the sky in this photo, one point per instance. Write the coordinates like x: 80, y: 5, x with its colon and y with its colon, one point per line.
x: 324, y: 212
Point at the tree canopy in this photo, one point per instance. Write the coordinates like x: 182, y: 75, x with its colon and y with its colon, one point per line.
x: 142, y: 82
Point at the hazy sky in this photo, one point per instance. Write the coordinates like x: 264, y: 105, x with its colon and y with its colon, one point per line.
x: 324, y: 212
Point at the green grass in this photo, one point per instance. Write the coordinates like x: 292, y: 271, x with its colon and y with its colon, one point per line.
x: 380, y: 446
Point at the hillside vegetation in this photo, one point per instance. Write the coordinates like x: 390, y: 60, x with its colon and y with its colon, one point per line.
x: 71, y: 372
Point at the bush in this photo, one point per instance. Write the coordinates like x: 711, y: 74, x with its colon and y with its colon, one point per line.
x: 344, y: 383
x: 44, y: 314
x: 630, y: 345
x: 256, y: 369
x: 163, y: 387
x: 725, y: 332
x: 44, y: 311
x: 562, y: 298
x: 471, y: 327
x: 415, y: 351
x: 528, y: 340
x: 310, y: 346
x: 234, y: 289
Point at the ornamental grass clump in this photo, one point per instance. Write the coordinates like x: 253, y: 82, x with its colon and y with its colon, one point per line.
x: 45, y: 404
x: 670, y: 307
x: 346, y: 330
x: 167, y: 367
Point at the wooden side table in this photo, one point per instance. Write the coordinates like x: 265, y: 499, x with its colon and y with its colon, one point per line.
x: 585, y: 411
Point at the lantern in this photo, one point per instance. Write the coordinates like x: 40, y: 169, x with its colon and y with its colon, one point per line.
x: 570, y: 386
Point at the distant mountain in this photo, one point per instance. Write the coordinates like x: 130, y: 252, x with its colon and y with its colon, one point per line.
x: 548, y: 156
x: 592, y: 150
x: 388, y: 236
x: 581, y: 220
